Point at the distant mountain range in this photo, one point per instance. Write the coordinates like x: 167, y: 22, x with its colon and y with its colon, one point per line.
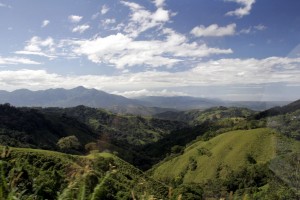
x: 148, y: 105
x: 65, y: 98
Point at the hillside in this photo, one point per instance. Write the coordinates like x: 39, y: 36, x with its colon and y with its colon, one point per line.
x: 224, y: 155
x: 197, y: 116
x: 30, y: 128
x: 95, y: 129
x: 134, y: 130
x: 203, y: 125
x: 40, y: 174
x: 279, y: 110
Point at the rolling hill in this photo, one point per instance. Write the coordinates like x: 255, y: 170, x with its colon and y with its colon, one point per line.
x: 95, y: 129
x: 134, y: 130
x: 30, y: 128
x: 197, y: 116
x: 229, y: 149
x: 211, y: 153
x: 226, y: 155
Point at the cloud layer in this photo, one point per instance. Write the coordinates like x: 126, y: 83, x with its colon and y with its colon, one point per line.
x: 216, y: 72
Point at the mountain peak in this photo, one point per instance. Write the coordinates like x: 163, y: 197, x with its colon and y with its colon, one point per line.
x: 80, y: 88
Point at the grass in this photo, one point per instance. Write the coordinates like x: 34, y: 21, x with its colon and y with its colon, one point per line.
x: 205, y: 160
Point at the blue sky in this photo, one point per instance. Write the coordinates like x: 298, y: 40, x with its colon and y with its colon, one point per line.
x: 229, y: 49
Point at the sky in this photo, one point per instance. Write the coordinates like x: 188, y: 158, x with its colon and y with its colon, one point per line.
x: 228, y: 49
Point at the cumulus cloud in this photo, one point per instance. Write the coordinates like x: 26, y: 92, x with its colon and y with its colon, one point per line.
x: 159, y: 3
x: 75, y: 18
x: 104, y: 9
x: 242, y: 11
x: 142, y: 19
x: 45, y: 23
x: 123, y: 51
x: 80, y: 28
x: 39, y: 47
x: 213, y: 30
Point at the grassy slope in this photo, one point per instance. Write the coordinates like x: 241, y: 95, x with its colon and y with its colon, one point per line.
x: 62, y: 176
x: 228, y: 151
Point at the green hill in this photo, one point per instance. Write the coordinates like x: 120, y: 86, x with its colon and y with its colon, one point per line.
x: 41, y: 174
x: 229, y: 149
x: 197, y: 116
x: 96, y: 129
x: 134, y: 130
x: 279, y: 110
x: 226, y: 155
x: 27, y: 127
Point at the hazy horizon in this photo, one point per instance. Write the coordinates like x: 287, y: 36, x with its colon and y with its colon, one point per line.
x: 139, y: 95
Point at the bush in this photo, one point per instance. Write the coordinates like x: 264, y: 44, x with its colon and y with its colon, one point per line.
x: 68, y: 143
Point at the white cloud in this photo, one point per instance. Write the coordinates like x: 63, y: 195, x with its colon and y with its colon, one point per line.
x: 142, y: 20
x: 80, y: 28
x: 45, y: 23
x: 213, y: 30
x: 159, y: 3
x: 39, y: 47
x: 161, y: 15
x: 123, y: 51
x: 145, y: 92
x: 104, y: 9
x: 16, y: 61
x: 75, y: 18
x: 211, y: 73
x: 242, y: 11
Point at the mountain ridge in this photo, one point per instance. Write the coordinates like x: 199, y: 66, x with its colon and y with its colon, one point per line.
x: 146, y: 106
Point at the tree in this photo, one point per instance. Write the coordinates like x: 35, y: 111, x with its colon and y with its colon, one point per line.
x: 68, y: 143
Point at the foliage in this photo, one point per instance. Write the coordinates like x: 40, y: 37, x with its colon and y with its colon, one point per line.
x: 68, y: 143
x: 38, y: 174
x: 188, y: 192
x: 287, y: 124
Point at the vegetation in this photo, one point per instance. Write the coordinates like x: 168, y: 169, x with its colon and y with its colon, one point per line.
x: 134, y: 130
x: 287, y: 124
x: 39, y: 174
x: 229, y: 153
x: 239, y: 162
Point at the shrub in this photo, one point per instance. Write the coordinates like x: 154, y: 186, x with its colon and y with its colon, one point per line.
x: 68, y: 143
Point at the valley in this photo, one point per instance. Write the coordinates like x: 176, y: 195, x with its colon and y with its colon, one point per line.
x: 220, y: 152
